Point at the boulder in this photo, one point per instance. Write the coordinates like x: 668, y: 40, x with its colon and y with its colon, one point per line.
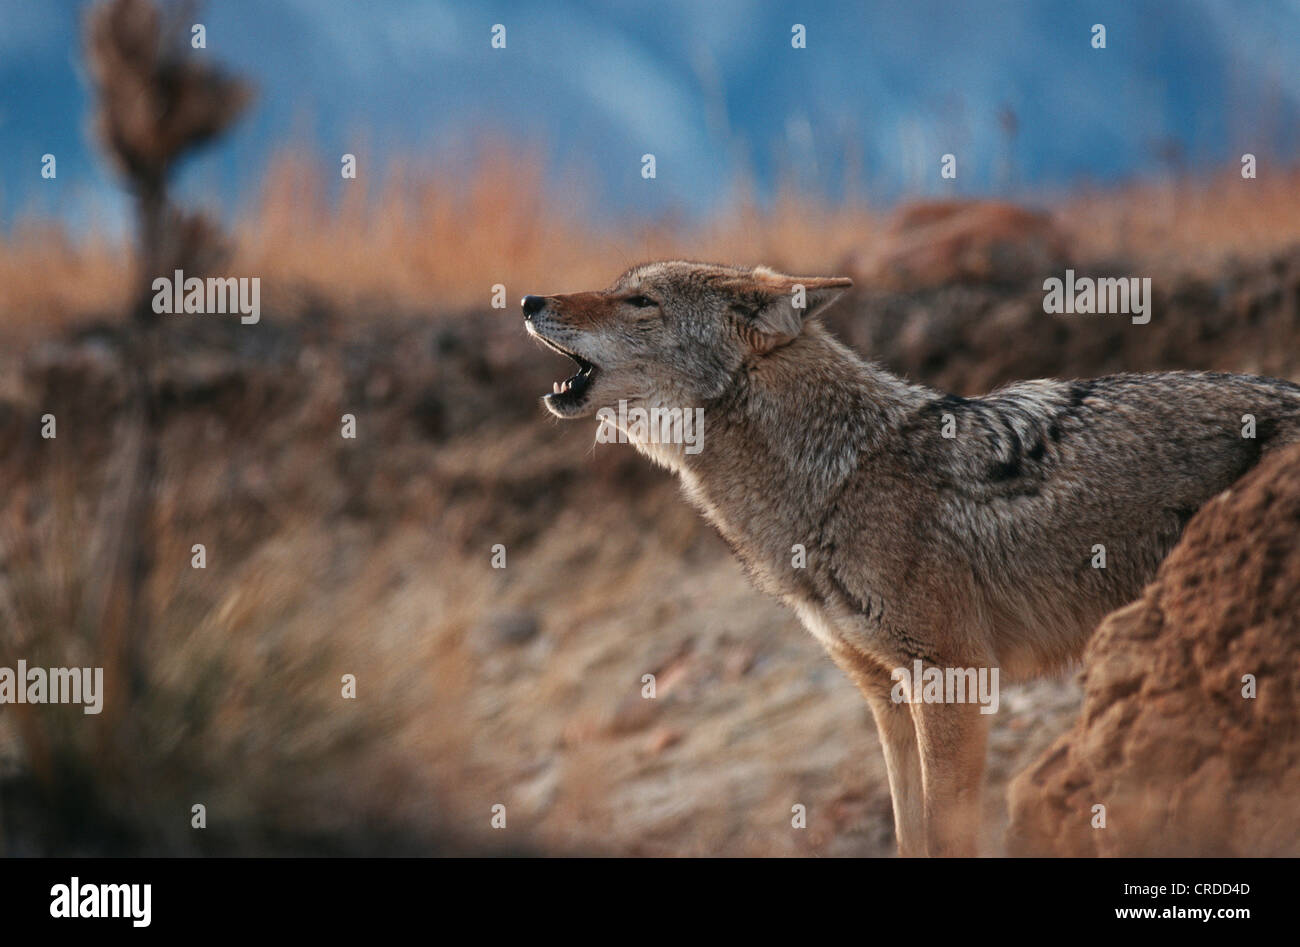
x: 1170, y: 741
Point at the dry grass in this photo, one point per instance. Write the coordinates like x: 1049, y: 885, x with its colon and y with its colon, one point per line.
x: 413, y: 235
x: 1193, y: 223
x: 238, y: 703
x: 446, y: 237
x: 48, y: 281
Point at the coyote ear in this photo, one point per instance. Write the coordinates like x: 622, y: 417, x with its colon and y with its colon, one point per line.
x: 778, y: 305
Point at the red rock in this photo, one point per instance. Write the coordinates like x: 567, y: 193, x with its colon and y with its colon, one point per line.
x: 1183, y: 762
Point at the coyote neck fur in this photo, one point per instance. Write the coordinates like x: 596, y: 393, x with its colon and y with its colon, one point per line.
x: 795, y: 423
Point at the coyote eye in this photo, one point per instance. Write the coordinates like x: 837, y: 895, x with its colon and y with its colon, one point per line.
x: 641, y: 302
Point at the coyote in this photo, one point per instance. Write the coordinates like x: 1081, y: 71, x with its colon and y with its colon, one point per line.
x: 962, y: 533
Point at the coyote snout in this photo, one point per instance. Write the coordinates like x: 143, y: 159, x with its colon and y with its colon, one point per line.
x: 954, y: 538
x: 567, y: 324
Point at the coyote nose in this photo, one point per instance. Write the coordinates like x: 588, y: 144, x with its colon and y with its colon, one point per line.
x: 533, y: 305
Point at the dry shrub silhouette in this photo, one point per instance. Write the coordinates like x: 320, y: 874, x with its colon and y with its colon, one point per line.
x: 156, y: 102
x: 82, y: 594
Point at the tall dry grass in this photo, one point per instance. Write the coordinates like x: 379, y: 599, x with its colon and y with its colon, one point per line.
x: 49, y: 280
x: 413, y: 235
x: 237, y: 700
x: 444, y: 238
x: 1194, y: 221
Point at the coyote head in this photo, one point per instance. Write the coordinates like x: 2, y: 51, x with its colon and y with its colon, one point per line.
x: 672, y: 333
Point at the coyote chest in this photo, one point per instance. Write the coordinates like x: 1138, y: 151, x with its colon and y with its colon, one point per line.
x: 790, y: 559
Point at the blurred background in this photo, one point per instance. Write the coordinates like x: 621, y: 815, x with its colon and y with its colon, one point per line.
x: 521, y: 167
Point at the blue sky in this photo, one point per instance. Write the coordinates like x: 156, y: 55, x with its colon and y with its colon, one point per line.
x: 713, y: 89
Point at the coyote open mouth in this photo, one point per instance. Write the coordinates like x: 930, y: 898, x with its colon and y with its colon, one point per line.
x: 571, y: 392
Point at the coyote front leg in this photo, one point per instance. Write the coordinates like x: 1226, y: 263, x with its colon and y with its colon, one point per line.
x: 952, y: 739
x: 899, y: 743
x: 903, y: 763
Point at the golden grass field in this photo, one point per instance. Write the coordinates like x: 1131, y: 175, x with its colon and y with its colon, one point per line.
x: 428, y: 237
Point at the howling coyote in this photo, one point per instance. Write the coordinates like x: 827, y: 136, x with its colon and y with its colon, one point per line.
x: 903, y: 525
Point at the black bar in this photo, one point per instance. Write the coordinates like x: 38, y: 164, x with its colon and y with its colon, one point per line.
x: 631, y: 898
